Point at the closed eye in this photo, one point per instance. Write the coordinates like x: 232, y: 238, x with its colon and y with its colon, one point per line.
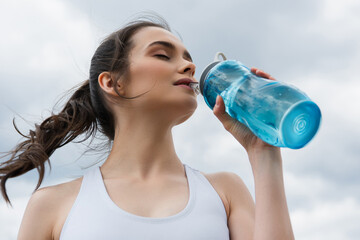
x: 162, y: 56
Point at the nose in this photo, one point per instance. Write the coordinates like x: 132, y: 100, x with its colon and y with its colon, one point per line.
x: 188, y: 67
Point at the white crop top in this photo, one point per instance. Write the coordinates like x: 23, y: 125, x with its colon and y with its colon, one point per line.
x: 94, y: 216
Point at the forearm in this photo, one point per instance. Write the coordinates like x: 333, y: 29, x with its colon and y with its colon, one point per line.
x: 272, y: 220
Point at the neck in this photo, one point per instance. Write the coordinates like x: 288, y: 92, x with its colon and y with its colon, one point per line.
x: 143, y: 150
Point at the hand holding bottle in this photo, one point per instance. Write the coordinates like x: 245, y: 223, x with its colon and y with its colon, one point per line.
x: 241, y: 133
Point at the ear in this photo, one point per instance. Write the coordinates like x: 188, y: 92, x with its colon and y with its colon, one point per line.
x: 107, y: 84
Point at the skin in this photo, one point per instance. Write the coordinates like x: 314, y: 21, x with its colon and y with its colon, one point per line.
x: 143, y: 156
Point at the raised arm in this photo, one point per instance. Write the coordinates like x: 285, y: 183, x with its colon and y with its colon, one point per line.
x: 271, y: 219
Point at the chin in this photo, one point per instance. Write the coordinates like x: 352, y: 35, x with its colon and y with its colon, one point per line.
x: 183, y: 119
x: 182, y: 104
x: 174, y: 108
x: 186, y: 115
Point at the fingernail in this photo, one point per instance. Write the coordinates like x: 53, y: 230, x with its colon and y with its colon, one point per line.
x: 217, y: 100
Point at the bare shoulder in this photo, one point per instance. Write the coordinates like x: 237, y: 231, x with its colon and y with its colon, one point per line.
x: 46, y: 208
x: 239, y: 204
x: 53, y: 196
x: 224, y: 178
x: 228, y: 183
x: 230, y: 188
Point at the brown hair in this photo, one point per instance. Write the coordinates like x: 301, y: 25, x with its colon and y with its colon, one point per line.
x: 84, y: 113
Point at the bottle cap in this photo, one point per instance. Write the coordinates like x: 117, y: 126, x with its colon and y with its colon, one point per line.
x: 208, y: 68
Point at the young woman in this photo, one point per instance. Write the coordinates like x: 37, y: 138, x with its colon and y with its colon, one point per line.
x: 143, y: 190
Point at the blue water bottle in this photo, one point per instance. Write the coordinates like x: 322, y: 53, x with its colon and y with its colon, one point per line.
x: 277, y: 113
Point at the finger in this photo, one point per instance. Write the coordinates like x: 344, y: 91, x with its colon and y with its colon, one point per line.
x: 261, y: 73
x: 236, y: 128
x: 253, y: 70
x: 221, y: 114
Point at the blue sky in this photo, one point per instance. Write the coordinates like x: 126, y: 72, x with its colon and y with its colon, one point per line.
x: 46, y: 46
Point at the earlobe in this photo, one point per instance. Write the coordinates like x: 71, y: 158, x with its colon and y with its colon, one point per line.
x: 106, y: 83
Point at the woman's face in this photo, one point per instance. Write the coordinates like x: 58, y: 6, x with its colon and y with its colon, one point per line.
x: 159, y: 59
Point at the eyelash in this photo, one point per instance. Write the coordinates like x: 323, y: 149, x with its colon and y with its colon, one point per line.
x: 162, y: 56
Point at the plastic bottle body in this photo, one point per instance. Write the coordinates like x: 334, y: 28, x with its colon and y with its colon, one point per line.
x: 278, y: 113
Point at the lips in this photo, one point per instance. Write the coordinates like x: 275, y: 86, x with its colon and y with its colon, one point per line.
x: 184, y: 81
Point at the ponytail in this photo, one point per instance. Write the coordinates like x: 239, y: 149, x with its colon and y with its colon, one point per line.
x: 76, y: 118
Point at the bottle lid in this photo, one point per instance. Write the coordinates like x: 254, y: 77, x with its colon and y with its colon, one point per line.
x: 208, y: 68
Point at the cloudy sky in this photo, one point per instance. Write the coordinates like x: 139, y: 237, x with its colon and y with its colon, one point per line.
x: 46, y: 46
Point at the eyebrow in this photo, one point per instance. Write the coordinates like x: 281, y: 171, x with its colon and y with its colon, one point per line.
x: 170, y: 46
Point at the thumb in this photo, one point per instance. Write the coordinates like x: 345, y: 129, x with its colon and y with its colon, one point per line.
x: 221, y: 114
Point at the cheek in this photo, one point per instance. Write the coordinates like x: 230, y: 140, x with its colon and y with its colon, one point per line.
x: 143, y: 76
x: 149, y: 71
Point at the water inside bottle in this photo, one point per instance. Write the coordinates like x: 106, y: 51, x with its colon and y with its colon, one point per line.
x: 267, y: 108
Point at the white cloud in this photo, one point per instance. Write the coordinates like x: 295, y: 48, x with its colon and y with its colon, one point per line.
x: 336, y: 11
x: 328, y: 220
x: 10, y: 218
x: 45, y: 45
x: 337, y: 98
x: 19, y: 192
x: 306, y: 189
x: 319, y: 209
